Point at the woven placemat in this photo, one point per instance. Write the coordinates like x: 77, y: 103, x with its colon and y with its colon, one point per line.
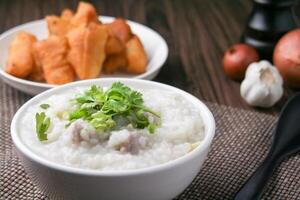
x: 241, y: 142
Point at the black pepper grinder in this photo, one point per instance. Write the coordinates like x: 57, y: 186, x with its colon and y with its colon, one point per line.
x: 268, y: 21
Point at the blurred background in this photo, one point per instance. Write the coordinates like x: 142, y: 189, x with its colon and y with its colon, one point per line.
x: 197, y: 32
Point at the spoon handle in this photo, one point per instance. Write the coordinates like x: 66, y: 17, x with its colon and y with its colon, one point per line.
x: 254, y: 187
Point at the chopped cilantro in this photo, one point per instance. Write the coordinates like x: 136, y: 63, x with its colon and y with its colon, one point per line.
x: 45, y: 106
x: 118, y: 106
x: 42, y: 125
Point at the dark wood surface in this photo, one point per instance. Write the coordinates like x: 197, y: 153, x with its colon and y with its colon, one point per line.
x: 197, y: 32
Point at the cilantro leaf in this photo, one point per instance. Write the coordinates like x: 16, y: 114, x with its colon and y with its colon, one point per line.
x: 42, y: 124
x: 152, y: 127
x: 116, y: 107
x: 79, y: 113
x: 45, y: 106
x: 102, y: 121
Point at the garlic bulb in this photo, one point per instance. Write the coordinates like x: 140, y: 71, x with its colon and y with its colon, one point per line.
x: 262, y: 85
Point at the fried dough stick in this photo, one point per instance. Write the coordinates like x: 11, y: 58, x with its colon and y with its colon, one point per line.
x: 37, y: 73
x: 87, y: 49
x: 60, y: 26
x: 119, y: 33
x: 52, y: 54
x: 115, y: 62
x: 136, y: 56
x: 20, y: 61
x: 120, y: 29
x: 85, y: 14
x: 114, y: 45
x: 67, y: 14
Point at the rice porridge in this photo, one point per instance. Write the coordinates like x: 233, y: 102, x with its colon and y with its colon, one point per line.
x: 122, y: 129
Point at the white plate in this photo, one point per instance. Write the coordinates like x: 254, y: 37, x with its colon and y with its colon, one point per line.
x: 155, y: 46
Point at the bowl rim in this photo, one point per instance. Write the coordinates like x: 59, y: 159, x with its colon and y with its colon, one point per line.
x: 162, y: 57
x: 206, y: 115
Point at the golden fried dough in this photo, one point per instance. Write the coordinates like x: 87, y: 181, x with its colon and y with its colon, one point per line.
x: 37, y: 73
x: 78, y: 45
x: 120, y: 29
x: 136, y: 56
x: 67, y: 14
x: 114, y: 45
x: 114, y: 63
x: 85, y: 14
x: 61, y: 75
x: 20, y: 57
x: 58, y: 26
x: 87, y: 49
x: 52, y: 54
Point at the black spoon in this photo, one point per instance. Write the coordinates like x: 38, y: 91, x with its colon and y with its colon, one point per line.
x: 286, y: 141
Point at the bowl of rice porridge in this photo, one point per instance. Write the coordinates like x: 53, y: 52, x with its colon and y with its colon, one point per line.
x: 113, y: 139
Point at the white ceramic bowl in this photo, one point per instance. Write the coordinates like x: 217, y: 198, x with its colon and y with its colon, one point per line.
x: 160, y: 182
x: 155, y: 46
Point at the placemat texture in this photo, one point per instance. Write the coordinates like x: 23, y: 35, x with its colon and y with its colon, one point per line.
x: 241, y: 142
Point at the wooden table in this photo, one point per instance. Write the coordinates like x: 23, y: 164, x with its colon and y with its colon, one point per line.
x: 197, y: 32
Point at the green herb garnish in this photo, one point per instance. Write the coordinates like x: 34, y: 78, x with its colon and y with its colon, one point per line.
x: 114, y: 108
x: 42, y: 124
x: 45, y: 106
